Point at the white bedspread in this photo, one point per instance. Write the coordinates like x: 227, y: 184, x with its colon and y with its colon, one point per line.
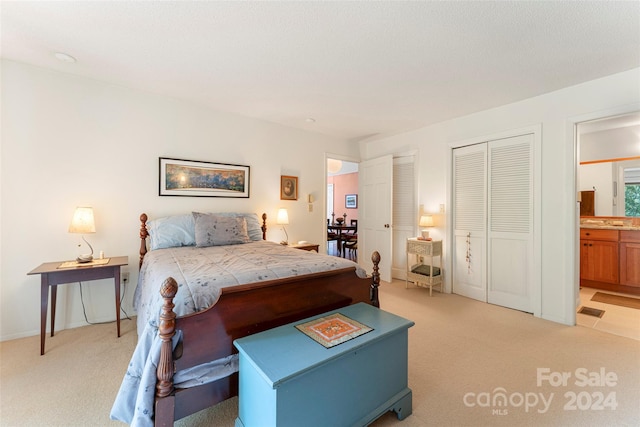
x: 200, y: 273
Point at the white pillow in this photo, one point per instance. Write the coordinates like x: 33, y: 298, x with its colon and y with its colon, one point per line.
x: 171, y: 231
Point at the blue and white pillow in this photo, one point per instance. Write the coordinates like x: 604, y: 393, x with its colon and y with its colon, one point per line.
x: 171, y: 231
x: 254, y: 228
x: 217, y: 230
x: 180, y: 230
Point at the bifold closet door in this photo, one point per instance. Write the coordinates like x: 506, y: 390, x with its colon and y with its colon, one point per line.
x: 493, y: 221
x: 510, y: 222
x: 469, y: 219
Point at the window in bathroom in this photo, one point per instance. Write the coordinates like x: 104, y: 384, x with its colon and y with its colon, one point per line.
x: 632, y: 192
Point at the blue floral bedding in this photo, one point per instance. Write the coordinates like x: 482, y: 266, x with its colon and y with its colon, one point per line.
x: 201, y: 273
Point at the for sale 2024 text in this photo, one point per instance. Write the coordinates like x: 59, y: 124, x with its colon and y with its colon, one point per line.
x: 593, y: 398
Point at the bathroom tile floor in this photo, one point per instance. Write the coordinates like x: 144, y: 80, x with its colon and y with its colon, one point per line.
x: 623, y: 321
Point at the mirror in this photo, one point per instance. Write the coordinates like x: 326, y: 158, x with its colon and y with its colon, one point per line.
x: 609, y: 166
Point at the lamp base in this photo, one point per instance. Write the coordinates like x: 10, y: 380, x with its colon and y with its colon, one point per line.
x: 425, y: 234
x: 84, y: 258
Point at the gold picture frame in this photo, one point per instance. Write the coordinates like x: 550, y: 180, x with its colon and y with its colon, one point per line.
x: 288, y: 187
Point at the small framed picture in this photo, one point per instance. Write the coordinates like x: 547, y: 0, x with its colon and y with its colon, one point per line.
x: 351, y: 201
x: 288, y: 187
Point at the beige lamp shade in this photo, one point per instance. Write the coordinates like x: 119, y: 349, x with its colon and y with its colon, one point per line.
x: 283, y: 217
x: 426, y: 221
x: 82, y: 221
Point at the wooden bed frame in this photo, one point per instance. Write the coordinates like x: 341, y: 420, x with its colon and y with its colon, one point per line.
x: 241, y: 311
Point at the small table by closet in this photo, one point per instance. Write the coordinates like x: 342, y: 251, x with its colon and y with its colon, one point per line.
x: 422, y: 271
x: 57, y: 273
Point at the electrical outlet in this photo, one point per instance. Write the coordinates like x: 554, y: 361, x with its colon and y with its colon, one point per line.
x: 441, y: 207
x: 125, y: 277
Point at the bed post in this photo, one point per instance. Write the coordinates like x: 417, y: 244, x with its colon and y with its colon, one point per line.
x: 375, y: 280
x: 166, y: 331
x: 264, y: 226
x: 143, y: 237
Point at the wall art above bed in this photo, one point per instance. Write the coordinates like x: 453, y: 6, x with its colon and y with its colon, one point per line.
x: 202, y: 179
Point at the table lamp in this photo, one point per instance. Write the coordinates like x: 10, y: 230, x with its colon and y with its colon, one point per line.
x: 83, y: 223
x: 283, y: 219
x: 426, y: 221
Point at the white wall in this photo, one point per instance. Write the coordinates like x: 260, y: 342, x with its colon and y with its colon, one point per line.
x: 556, y: 112
x: 69, y: 141
x: 609, y: 144
x: 600, y: 177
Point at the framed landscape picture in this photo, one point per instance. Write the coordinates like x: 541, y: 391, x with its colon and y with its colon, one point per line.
x: 351, y: 201
x: 202, y: 179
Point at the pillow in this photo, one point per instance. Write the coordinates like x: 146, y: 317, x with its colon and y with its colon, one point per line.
x: 254, y: 227
x: 171, y: 231
x: 218, y: 230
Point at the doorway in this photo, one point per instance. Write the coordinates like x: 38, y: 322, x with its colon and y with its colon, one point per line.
x: 342, y: 207
x: 607, y: 166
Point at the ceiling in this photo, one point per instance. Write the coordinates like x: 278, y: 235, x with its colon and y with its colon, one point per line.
x: 352, y: 70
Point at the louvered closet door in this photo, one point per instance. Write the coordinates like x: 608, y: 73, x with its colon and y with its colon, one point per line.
x: 510, y: 219
x: 469, y: 218
x: 405, y: 215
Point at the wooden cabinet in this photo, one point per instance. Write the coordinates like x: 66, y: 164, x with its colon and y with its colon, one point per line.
x: 610, y: 259
x: 587, y: 203
x: 630, y: 258
x: 599, y: 255
x: 599, y: 261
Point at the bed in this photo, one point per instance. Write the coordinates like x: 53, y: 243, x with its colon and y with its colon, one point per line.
x: 197, y: 292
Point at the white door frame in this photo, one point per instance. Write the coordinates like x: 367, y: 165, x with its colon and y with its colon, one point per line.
x: 325, y: 203
x: 572, y: 293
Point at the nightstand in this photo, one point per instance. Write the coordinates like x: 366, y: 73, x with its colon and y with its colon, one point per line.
x: 423, y: 272
x: 58, y: 273
x: 306, y: 246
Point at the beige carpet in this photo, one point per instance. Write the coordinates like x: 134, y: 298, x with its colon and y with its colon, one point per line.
x: 458, y: 347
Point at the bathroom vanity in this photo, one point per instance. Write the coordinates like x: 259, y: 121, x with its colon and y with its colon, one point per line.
x: 610, y: 254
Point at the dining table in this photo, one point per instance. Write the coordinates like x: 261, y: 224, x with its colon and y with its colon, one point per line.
x: 339, y: 229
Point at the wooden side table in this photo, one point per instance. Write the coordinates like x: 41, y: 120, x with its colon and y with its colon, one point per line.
x: 307, y: 246
x: 51, y: 274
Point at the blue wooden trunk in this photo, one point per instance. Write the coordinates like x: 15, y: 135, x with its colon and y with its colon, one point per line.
x: 288, y: 379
